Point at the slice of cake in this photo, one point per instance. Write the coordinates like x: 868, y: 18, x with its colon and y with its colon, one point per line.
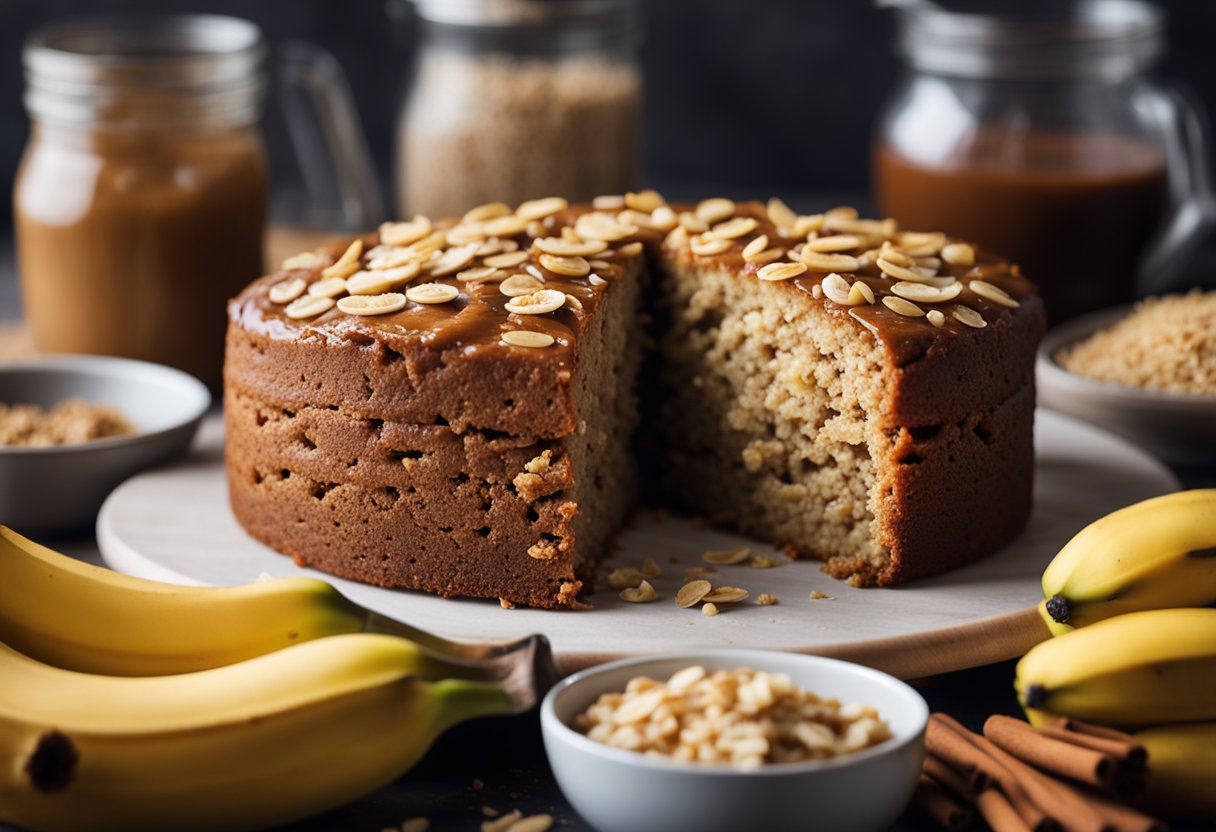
x: 448, y: 406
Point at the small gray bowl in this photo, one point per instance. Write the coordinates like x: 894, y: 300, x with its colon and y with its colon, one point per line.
x: 623, y: 791
x: 1178, y: 428
x: 59, y: 489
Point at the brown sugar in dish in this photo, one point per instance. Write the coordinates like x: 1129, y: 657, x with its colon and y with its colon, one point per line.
x: 71, y: 422
x: 829, y: 384
x: 1167, y: 343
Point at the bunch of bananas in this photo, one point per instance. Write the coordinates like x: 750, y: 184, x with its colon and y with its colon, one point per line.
x: 1133, y: 645
x: 130, y: 704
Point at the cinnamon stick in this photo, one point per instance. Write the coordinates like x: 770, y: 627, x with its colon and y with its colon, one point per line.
x: 999, y: 812
x: 1076, y: 726
x: 933, y: 800
x: 1127, y: 751
x: 1056, y: 756
x: 1121, y: 818
x: 940, y: 771
x: 954, y: 750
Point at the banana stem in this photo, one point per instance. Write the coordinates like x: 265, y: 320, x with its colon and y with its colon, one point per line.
x: 461, y: 700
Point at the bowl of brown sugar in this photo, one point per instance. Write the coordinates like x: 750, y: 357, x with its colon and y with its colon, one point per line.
x: 72, y: 427
x: 1146, y: 372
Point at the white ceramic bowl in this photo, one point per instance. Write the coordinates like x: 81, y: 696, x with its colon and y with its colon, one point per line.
x: 1175, y: 427
x: 624, y: 791
x: 60, y: 488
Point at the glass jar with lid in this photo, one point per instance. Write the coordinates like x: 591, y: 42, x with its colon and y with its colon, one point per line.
x: 1035, y: 129
x: 516, y: 99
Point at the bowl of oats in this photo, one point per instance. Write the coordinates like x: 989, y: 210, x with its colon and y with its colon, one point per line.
x: 72, y: 427
x: 735, y: 739
x: 1146, y: 372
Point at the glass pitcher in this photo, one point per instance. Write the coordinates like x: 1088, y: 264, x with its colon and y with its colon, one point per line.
x: 1035, y: 129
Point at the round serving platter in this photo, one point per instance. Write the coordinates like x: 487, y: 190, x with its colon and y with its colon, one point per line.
x: 174, y: 524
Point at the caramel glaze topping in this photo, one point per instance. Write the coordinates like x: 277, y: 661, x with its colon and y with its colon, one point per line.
x: 476, y: 319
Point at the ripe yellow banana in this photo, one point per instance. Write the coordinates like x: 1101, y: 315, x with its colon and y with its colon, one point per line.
x: 1155, y: 554
x: 1182, y: 770
x: 1143, y: 668
x: 262, y: 742
x: 77, y: 616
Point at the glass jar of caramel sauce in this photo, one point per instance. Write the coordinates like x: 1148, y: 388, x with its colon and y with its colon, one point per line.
x: 1033, y: 129
x: 141, y: 198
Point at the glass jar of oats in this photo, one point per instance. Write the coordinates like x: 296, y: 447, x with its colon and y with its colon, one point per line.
x: 512, y: 100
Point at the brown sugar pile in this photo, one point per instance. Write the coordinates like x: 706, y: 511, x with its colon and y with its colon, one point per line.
x: 1167, y: 343
x: 70, y: 422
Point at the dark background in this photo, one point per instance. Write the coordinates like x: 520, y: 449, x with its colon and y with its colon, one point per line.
x: 747, y: 98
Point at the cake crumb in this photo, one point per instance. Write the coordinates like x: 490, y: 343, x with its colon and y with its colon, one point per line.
x: 766, y: 599
x: 506, y: 605
x: 641, y: 594
x: 763, y: 562
x: 820, y: 595
x: 539, y: 464
x: 651, y: 569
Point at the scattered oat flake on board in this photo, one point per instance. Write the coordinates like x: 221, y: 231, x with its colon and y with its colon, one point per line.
x: 503, y: 823
x: 820, y: 595
x: 641, y: 594
x: 694, y: 572
x: 651, y: 569
x: 726, y: 595
x: 625, y: 578
x: 766, y: 599
x: 692, y: 592
x: 763, y: 562
x: 532, y: 823
x: 727, y: 557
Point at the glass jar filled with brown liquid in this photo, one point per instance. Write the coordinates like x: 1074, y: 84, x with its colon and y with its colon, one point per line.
x: 140, y: 203
x: 1033, y: 129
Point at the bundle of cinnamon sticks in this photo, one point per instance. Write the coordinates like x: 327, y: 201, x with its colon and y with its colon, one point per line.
x: 1070, y: 776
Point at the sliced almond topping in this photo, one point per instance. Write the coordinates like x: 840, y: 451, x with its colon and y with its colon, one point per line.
x: 733, y: 228
x: 467, y: 232
x: 308, y: 307
x: 780, y: 214
x: 817, y: 291
x: 372, y: 304
x: 596, y: 280
x: 488, y: 211
x: 496, y: 245
x: 925, y: 293
x: 819, y: 262
x: 726, y: 595
x: 528, y: 338
x: 625, y: 577
x: 834, y: 242
x: 921, y: 243
x: 644, y: 201
x: 379, y: 282
x: 664, y: 218
x: 328, y: 288
x: 757, y: 245
x: 693, y: 224
x: 859, y: 293
x: 508, y: 226
x: 935, y: 317
x: 565, y: 248
x: 727, y: 557
x: 452, y: 260
x: 710, y: 211
x: 768, y: 256
x: 405, y: 233
x: 518, y: 285
x: 852, y: 225
x: 641, y: 219
x: 839, y: 290
x: 603, y: 227
x: 540, y: 302
x: 304, y: 260
x: 968, y: 316
x: 599, y: 264
x: 608, y: 202
x: 507, y: 260
x: 991, y: 292
x: 902, y: 307
x: 692, y: 592
x: 630, y: 249
x: 569, y: 266
x: 905, y: 273
x: 347, y: 264
x: 574, y: 303
x: 640, y: 594
x: 537, y: 209
x: 805, y: 225
x: 287, y: 290
x: 703, y: 246
x: 480, y: 274
x: 780, y: 271
x: 432, y: 293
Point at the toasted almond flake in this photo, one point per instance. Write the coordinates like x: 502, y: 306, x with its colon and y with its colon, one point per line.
x: 925, y: 293
x: 507, y: 260
x: 692, y: 592
x: 853, y: 225
x: 898, y: 272
x: 566, y: 248
x: 432, y: 293
x: 894, y: 256
x: 682, y: 680
x: 768, y: 256
x: 608, y: 202
x: 625, y: 577
x: 467, y: 232
x: 838, y: 290
x: 640, y: 594
x: 372, y: 304
x: 710, y: 211
x: 328, y: 288
x: 691, y: 223
x: 727, y: 557
x: 489, y: 811
x: 540, y: 302
x: 496, y: 245
x: 766, y: 599
x: 518, y: 285
x: 841, y: 212
x: 694, y: 572
x: 708, y: 246
x: 991, y: 292
x: 347, y: 264
x: 921, y: 243
x: 733, y: 228
x: 596, y: 280
x: 569, y: 266
x: 780, y: 214
x: 508, y: 226
x: 764, y: 562
x: 709, y: 609
x: 757, y: 245
x: 502, y: 824
x: 644, y: 201
x: 603, y: 227
x: 532, y: 823
x: 488, y: 211
x: 780, y: 271
x: 452, y: 260
x: 819, y: 262
x: 902, y: 307
x: 726, y: 595
x: 304, y: 260
x: 527, y: 338
x: 968, y: 316
x: 651, y: 569
x: 933, y: 263
x: 807, y: 224
x: 831, y: 243
x: 639, y: 219
x: 539, y: 228
x: 536, y: 209
x: 391, y: 258
x: 935, y: 317
x: 630, y: 249
x: 308, y: 307
x: 599, y: 264
x: 379, y: 282
x: 817, y: 291
x: 574, y: 303
x: 405, y: 233
x: 664, y: 218
x: 859, y: 293
x: 287, y: 290
x: 478, y: 273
